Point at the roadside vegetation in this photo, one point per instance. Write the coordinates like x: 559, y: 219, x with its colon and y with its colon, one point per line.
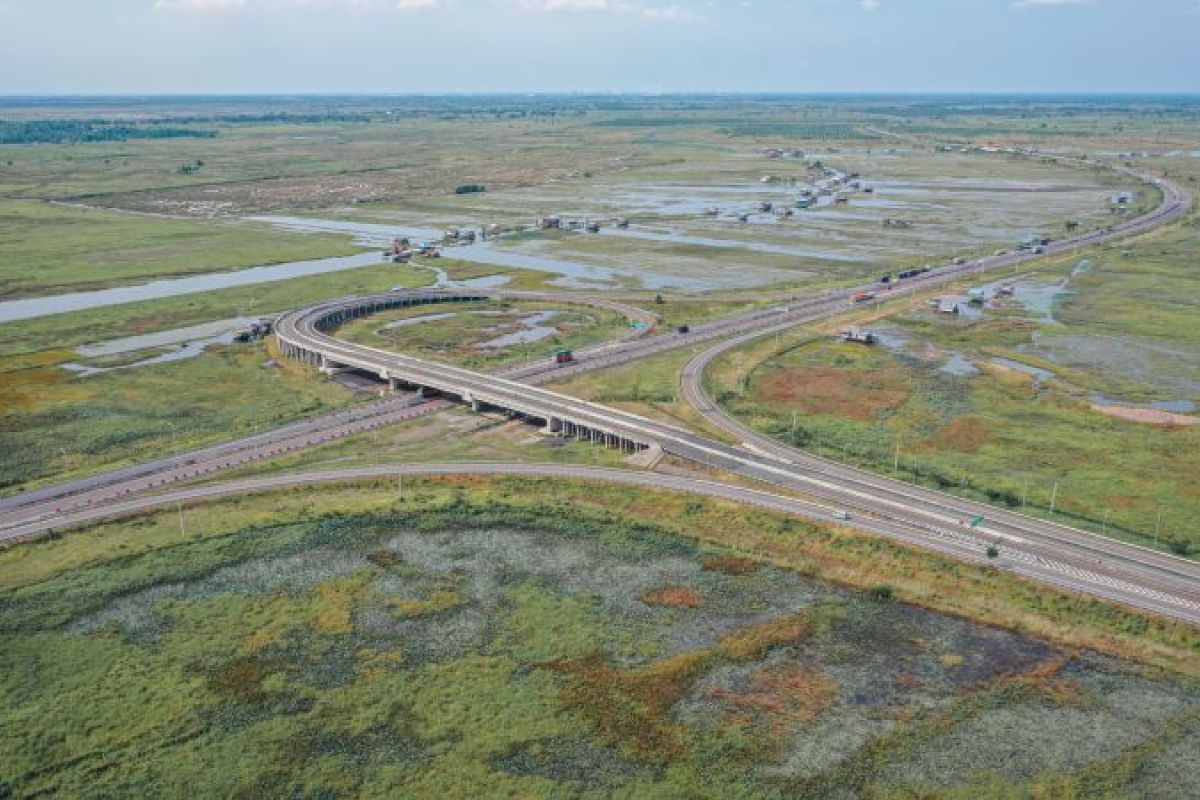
x: 1015, y: 405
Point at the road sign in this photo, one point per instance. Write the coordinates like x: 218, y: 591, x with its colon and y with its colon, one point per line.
x: 975, y: 523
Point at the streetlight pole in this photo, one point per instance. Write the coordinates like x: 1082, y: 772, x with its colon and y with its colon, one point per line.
x: 1053, y: 497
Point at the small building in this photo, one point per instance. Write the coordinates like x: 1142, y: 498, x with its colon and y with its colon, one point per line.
x: 551, y: 222
x: 859, y: 336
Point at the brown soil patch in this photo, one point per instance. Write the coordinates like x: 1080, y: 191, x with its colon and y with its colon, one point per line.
x: 965, y: 434
x: 674, y: 597
x: 858, y: 394
x: 1147, y: 416
x: 731, y: 565
x: 241, y: 679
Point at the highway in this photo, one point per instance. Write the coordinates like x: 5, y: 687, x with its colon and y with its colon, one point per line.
x: 1044, y: 551
x: 1045, y: 571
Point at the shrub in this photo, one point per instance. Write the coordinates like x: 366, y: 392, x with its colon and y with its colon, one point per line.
x: 882, y: 593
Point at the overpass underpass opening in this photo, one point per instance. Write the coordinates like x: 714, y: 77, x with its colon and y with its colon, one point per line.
x: 562, y: 428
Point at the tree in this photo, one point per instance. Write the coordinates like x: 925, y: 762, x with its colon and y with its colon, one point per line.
x: 1071, y: 225
x: 658, y: 299
x: 992, y: 552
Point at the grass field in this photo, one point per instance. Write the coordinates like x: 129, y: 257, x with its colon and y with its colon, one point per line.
x: 505, y: 637
x: 58, y: 426
x: 473, y: 334
x: 51, y: 249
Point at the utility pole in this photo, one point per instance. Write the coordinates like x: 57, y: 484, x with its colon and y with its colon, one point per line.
x: 182, y: 532
x: 896, y: 459
x: 1025, y: 493
x: 1157, y: 526
x: 1053, y: 497
x: 1104, y: 527
x: 793, y: 426
x: 400, y: 487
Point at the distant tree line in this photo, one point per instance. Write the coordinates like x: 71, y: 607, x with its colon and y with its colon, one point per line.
x: 72, y: 131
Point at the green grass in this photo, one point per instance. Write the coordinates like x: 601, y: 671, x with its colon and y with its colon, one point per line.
x: 486, y: 638
x: 457, y: 340
x: 52, y: 249
x: 55, y: 426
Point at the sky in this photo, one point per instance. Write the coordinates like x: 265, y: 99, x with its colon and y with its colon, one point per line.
x: 451, y: 46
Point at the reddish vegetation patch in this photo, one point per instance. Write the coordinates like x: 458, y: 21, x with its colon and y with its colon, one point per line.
x: 674, y: 596
x: 784, y: 692
x: 731, y: 565
x: 862, y: 394
x: 750, y: 644
x: 965, y: 434
x: 630, y: 708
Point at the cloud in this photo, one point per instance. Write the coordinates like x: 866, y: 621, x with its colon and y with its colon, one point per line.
x: 638, y: 8
x: 569, y: 5
x: 197, y: 5
x: 667, y: 13
x: 1023, y: 4
x: 870, y: 5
